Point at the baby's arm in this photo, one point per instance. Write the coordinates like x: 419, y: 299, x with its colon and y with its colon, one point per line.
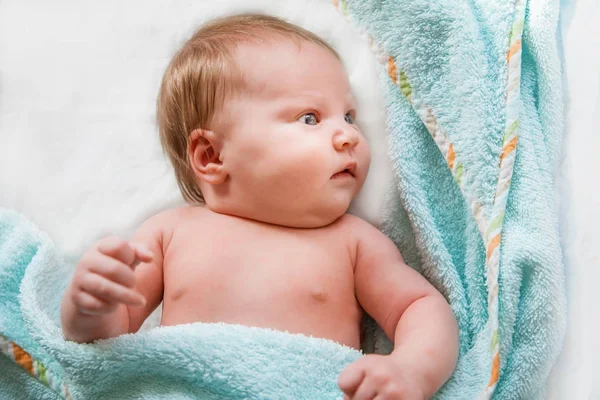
x: 412, y: 313
x: 116, y: 285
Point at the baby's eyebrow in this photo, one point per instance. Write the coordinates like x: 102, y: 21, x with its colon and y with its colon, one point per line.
x: 316, y: 100
x: 310, y: 98
x: 297, y: 104
x: 285, y: 109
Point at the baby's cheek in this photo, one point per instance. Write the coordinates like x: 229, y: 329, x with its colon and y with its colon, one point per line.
x: 302, y: 161
x: 364, y: 153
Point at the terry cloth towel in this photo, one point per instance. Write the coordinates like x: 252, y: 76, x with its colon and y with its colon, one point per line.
x: 207, y: 361
x: 475, y: 118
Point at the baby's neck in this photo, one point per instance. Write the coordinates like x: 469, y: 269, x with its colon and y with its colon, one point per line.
x: 282, y: 222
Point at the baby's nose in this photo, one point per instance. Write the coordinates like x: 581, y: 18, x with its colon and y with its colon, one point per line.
x: 345, y: 138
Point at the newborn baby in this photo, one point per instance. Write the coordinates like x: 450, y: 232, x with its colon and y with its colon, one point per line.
x: 258, y: 119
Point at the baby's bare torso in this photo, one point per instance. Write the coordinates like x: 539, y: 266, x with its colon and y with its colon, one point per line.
x: 219, y: 268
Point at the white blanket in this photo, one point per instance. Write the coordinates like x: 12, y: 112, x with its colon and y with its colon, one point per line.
x: 575, y: 375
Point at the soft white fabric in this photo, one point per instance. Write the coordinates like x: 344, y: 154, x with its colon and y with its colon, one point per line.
x: 575, y: 375
x: 79, y: 153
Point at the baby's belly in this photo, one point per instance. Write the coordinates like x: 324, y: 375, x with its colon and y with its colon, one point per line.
x: 325, y: 309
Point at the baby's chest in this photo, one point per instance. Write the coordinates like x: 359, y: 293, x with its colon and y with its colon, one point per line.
x: 298, y: 270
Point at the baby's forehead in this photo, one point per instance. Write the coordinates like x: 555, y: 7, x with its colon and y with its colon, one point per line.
x: 277, y: 64
x: 276, y: 43
x: 261, y: 58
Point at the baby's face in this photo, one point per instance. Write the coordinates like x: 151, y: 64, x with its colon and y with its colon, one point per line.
x: 294, y: 154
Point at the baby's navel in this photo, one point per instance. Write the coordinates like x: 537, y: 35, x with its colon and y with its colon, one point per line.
x: 178, y: 294
x: 319, y: 295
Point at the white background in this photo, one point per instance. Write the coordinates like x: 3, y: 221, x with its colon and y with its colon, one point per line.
x: 576, y: 375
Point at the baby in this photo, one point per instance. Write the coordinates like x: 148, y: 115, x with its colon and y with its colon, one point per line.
x: 258, y: 120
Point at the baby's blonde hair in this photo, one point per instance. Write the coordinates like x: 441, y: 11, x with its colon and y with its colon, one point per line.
x: 201, y: 76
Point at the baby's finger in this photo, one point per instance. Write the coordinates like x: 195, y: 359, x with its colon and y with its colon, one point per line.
x: 350, y: 379
x: 110, y: 291
x: 142, y: 254
x: 118, y: 248
x: 366, y: 391
x: 112, y: 269
x: 90, y: 305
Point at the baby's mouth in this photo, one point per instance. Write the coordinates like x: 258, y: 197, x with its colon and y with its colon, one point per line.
x: 342, y: 174
x: 349, y: 171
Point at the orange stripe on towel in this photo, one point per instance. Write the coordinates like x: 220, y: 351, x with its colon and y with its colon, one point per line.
x: 495, y: 370
x: 513, y: 49
x: 22, y: 358
x: 493, y: 244
x: 510, y: 146
x: 451, y: 157
x: 392, y: 70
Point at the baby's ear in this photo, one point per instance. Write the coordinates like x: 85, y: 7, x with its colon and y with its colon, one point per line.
x: 205, y: 158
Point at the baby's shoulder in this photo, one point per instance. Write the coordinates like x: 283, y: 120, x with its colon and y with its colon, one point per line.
x: 162, y: 226
x: 349, y: 221
x: 363, y: 234
x: 356, y: 228
x: 167, y: 220
x: 180, y: 213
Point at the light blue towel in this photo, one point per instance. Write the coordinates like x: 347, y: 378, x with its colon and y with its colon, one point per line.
x: 207, y: 361
x: 453, y: 56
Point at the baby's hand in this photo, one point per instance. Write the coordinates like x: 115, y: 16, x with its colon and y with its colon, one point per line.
x: 104, y: 277
x: 381, y: 378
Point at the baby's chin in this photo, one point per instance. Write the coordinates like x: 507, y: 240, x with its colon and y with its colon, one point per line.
x: 308, y: 219
x: 312, y: 222
x: 312, y: 218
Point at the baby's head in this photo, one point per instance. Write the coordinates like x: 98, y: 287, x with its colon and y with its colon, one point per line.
x: 257, y: 117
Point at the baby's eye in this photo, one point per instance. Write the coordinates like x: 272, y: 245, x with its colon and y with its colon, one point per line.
x: 309, y: 119
x: 349, y: 118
